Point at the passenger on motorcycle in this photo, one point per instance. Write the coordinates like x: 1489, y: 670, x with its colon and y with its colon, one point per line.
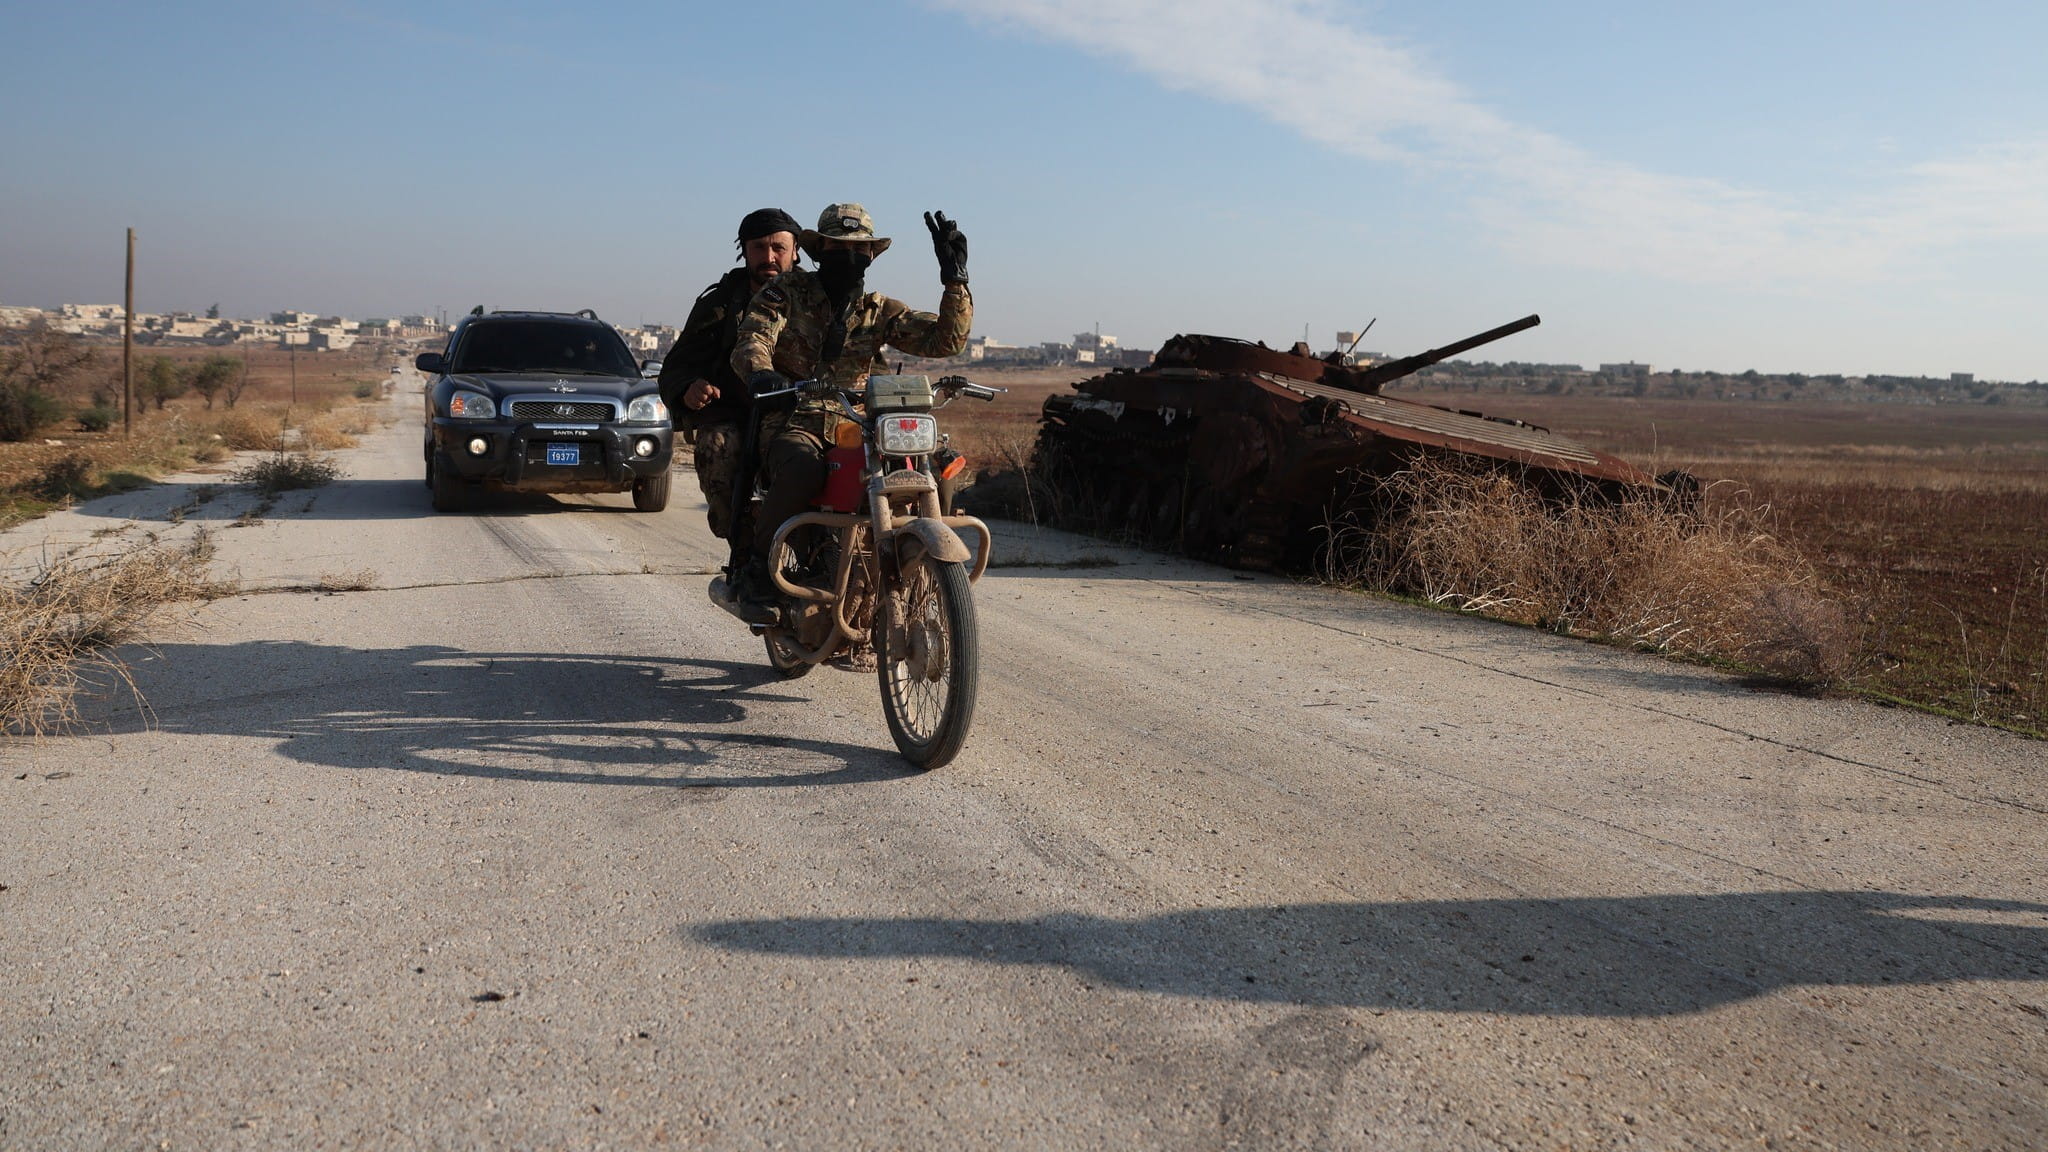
x: 697, y: 380
x: 825, y: 325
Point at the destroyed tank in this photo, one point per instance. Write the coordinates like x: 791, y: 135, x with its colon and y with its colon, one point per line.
x: 1232, y: 451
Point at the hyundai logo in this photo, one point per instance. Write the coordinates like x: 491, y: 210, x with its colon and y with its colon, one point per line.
x: 565, y: 409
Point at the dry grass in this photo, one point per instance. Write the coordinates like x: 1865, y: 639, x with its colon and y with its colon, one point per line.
x: 288, y: 471
x: 248, y: 430
x: 360, y: 580
x: 1714, y: 582
x: 66, y: 618
x: 337, y: 428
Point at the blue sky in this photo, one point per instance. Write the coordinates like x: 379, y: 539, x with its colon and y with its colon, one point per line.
x: 1811, y: 187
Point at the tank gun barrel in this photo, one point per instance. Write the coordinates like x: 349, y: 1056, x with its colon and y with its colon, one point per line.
x: 1370, y: 379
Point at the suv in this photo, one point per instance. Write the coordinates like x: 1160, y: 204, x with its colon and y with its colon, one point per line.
x: 543, y: 402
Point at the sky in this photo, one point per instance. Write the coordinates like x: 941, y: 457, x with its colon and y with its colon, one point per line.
x: 1785, y: 186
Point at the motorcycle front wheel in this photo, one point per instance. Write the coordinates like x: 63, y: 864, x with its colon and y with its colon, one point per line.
x: 929, y: 673
x: 781, y: 654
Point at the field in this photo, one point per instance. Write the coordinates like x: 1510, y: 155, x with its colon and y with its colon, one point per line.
x: 311, y: 400
x: 1926, y: 519
x: 1929, y: 515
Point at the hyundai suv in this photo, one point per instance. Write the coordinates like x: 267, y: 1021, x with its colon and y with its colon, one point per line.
x: 543, y: 402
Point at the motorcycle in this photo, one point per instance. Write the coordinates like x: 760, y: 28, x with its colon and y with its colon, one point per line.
x: 878, y: 565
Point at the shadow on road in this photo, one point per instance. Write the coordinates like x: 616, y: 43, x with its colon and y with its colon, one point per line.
x: 221, y: 503
x: 645, y: 721
x: 1623, y: 956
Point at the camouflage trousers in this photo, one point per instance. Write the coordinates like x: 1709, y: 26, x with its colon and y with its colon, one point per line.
x: 717, y: 448
x: 793, y: 458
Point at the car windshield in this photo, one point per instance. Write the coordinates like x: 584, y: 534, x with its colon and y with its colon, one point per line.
x: 544, y: 346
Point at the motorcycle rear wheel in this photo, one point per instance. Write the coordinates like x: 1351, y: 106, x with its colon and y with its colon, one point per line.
x: 928, y: 690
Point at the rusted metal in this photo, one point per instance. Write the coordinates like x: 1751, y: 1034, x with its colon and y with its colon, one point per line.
x: 1238, y: 452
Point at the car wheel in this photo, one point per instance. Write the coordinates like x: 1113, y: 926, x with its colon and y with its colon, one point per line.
x: 650, y: 493
x: 450, y: 493
x: 427, y: 453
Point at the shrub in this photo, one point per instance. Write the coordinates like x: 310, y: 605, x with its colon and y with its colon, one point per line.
x: 285, y: 471
x: 327, y: 432
x: 37, y: 363
x: 65, y: 478
x: 97, y: 418
x: 1714, y: 581
x: 243, y: 432
x: 365, y: 389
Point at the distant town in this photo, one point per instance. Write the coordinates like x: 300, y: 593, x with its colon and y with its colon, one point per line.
x: 313, y: 332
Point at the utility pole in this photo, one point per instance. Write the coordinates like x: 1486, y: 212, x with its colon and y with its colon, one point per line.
x: 294, y: 346
x: 128, y: 346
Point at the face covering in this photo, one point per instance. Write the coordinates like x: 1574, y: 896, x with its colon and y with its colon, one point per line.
x: 843, y: 271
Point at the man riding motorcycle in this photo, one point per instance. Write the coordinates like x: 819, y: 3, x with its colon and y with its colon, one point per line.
x: 824, y: 325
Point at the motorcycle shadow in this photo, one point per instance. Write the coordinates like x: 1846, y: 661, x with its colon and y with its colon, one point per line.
x: 536, y: 717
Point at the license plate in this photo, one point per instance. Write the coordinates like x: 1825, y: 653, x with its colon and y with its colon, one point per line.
x: 570, y: 454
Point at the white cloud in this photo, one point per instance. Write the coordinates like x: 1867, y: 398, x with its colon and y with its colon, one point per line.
x: 1304, y: 65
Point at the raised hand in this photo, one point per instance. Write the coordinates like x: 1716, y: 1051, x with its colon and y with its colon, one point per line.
x: 951, y: 247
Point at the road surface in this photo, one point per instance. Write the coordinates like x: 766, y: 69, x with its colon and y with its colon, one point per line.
x: 521, y: 846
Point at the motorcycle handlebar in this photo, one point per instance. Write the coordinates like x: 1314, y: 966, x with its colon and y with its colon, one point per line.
x: 958, y: 385
x: 962, y: 386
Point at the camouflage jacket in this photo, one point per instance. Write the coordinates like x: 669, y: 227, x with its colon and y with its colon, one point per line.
x: 784, y: 329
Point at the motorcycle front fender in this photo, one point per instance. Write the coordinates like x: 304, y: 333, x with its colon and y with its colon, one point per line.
x: 926, y: 536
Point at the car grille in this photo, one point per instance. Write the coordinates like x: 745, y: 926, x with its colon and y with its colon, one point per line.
x: 564, y: 410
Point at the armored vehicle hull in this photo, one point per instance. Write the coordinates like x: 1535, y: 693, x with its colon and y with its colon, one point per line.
x: 1244, y: 454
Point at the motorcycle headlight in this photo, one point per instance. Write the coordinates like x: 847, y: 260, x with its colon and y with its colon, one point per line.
x: 907, y: 435
x: 646, y: 409
x: 472, y: 406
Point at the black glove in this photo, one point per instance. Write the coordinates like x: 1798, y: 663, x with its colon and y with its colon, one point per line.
x: 950, y: 246
x: 766, y: 380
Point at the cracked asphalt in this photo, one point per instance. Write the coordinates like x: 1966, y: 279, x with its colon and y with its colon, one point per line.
x: 518, y: 844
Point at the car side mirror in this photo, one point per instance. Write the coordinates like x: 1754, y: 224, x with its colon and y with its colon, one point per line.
x: 650, y: 369
x: 430, y: 363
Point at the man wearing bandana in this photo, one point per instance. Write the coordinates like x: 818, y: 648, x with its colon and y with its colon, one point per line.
x: 825, y: 325
x: 708, y: 402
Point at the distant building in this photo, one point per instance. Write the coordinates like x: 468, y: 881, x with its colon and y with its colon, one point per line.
x: 1628, y: 370
x: 331, y: 338
x: 1962, y: 377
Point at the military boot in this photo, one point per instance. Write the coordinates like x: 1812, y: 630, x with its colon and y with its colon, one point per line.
x: 759, y: 602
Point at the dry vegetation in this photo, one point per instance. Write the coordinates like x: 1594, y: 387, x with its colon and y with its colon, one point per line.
x: 287, y: 472
x: 320, y: 403
x: 1929, y: 516
x: 1712, y: 581
x: 1908, y: 533
x: 61, y: 623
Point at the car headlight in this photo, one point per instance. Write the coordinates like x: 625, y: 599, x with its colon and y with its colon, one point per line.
x: 472, y: 406
x: 646, y: 409
x: 907, y: 435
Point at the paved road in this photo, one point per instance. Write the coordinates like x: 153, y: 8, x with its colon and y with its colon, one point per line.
x: 521, y: 847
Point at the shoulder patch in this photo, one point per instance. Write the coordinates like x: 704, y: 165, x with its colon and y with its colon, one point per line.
x: 774, y: 294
